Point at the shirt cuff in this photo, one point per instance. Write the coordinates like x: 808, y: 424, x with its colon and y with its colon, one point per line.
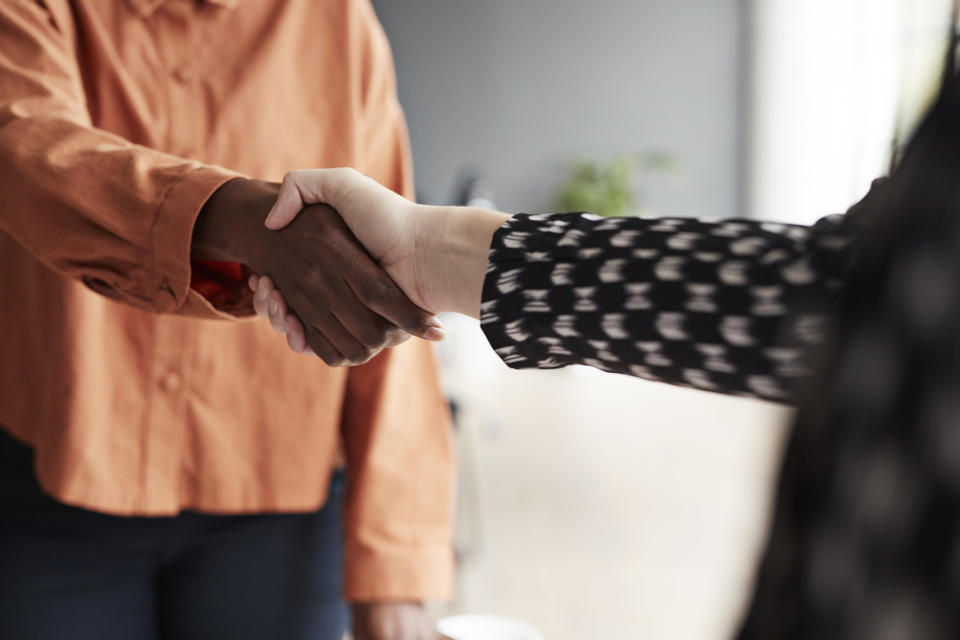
x: 378, y: 575
x: 527, y: 245
x: 173, y: 233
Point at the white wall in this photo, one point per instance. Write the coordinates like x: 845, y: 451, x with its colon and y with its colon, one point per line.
x: 600, y: 506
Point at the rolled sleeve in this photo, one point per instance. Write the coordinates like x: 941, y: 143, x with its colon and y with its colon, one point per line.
x: 378, y: 573
x: 173, y: 232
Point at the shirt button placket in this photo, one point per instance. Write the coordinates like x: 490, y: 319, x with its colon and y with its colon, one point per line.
x: 171, y: 382
x: 184, y: 74
x: 182, y: 54
x: 168, y: 410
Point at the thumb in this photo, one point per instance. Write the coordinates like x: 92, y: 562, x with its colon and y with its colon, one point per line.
x: 289, y: 203
x: 310, y: 186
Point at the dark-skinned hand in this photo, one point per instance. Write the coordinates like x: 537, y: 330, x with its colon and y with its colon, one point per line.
x: 349, y: 307
x: 394, y: 620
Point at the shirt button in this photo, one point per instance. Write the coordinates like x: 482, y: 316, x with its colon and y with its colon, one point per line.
x: 170, y: 382
x: 183, y: 75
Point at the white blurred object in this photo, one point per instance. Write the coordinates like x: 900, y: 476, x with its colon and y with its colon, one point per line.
x: 830, y: 81
x: 486, y: 627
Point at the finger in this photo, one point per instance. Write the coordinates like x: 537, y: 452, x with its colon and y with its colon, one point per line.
x: 253, y: 282
x: 278, y: 311
x: 266, y: 282
x: 378, y: 292
x: 368, y: 328
x: 296, y: 336
x: 396, y: 337
x: 328, y: 339
x: 371, y: 284
x: 288, y: 205
x: 324, y: 348
x: 303, y: 187
x: 260, y: 301
x: 353, y: 351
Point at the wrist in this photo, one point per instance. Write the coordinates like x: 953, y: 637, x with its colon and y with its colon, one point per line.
x: 459, y: 247
x: 230, y: 225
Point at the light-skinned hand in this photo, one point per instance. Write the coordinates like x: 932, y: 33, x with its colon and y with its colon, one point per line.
x: 436, y: 255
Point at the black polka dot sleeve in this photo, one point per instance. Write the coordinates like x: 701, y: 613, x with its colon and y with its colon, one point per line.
x: 728, y: 306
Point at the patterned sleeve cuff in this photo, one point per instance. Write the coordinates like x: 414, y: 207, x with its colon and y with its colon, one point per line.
x: 529, y: 246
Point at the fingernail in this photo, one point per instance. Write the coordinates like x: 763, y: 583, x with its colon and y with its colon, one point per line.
x: 274, y: 308
x: 435, y: 334
x: 266, y: 220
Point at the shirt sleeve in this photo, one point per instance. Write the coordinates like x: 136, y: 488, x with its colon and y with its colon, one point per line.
x: 399, y: 509
x: 89, y: 204
x: 730, y: 306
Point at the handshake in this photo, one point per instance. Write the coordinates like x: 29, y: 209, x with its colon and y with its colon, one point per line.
x: 345, y: 267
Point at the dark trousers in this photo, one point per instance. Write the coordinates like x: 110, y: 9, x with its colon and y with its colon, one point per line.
x: 72, y: 574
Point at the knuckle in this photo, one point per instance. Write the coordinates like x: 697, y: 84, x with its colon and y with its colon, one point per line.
x: 396, y: 337
x: 374, y: 337
x: 293, y: 343
x: 336, y: 241
x: 360, y: 355
x: 375, y: 292
x: 316, y: 280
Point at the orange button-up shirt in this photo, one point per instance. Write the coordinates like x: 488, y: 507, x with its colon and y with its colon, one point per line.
x: 118, y: 119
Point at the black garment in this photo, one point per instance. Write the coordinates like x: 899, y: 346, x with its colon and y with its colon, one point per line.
x: 866, y: 535
x: 72, y: 574
x: 729, y: 306
x: 865, y: 541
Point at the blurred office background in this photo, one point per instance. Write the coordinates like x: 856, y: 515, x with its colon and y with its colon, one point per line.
x: 597, y: 506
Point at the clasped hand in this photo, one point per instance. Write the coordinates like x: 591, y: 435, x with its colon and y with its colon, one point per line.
x: 437, y: 256
x: 343, y: 306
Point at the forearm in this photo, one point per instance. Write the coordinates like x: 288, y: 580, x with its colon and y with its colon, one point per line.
x: 113, y: 215
x: 88, y: 203
x: 727, y: 306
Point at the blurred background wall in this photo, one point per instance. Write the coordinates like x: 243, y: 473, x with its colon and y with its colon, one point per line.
x: 519, y: 88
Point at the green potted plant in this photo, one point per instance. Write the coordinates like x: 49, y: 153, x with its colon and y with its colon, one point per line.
x: 610, y: 188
